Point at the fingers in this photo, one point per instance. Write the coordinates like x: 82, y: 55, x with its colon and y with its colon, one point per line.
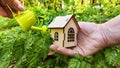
x: 54, y: 47
x: 15, y: 11
x: 16, y: 5
x: 66, y: 51
x: 2, y: 12
x: 63, y: 50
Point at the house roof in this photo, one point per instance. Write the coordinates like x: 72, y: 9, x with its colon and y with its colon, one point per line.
x: 60, y: 21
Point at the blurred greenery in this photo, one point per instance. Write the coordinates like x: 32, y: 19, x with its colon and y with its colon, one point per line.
x: 29, y: 49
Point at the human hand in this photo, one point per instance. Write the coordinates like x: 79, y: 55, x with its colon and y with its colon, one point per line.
x: 15, y: 5
x: 91, y: 39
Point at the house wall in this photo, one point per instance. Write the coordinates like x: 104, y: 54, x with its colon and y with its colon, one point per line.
x: 60, y: 36
x: 70, y: 24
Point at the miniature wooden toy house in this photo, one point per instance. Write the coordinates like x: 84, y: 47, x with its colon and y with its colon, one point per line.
x: 64, y: 30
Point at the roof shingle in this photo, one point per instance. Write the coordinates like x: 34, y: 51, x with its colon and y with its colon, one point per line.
x: 60, y: 21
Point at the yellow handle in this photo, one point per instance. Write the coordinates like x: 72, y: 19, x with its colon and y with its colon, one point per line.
x: 21, y: 0
x: 10, y: 10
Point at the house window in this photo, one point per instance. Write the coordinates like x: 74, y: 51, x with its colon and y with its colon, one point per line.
x: 56, y: 36
x: 71, y: 35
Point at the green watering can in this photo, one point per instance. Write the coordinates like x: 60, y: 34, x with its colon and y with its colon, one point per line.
x: 27, y: 19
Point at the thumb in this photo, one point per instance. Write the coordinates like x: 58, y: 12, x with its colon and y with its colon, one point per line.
x: 63, y: 50
x: 16, y: 5
x: 66, y: 51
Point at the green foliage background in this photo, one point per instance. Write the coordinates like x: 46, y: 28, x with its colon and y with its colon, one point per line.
x: 29, y: 49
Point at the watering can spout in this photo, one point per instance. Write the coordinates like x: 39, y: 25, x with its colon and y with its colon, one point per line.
x: 42, y: 29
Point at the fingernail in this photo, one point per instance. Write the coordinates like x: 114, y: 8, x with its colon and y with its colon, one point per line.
x: 60, y: 48
x: 21, y: 7
x: 51, y: 46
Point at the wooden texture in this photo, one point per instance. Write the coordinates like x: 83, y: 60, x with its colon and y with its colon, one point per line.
x: 62, y: 24
x: 60, y: 21
x: 71, y: 24
x: 60, y: 36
